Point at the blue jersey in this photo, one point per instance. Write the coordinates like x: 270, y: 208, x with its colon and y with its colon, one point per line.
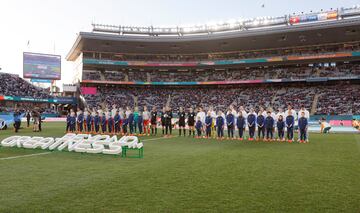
x: 68, y: 118
x: 130, y: 119
x: 260, y: 120
x: 240, y: 122
x: 125, y: 122
x: 289, y: 121
x: 140, y: 119
x: 72, y: 120
x: 117, y: 118
x: 251, y: 120
x: 103, y: 120
x: 230, y: 119
x: 208, y: 121
x: 17, y: 117
x: 80, y: 118
x: 269, y: 122
x: 219, y: 121
x: 96, y: 120
x: 280, y: 124
x: 303, y: 122
x: 198, y: 124
x: 88, y: 119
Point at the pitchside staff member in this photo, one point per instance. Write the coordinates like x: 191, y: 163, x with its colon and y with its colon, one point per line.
x: 153, y: 121
x: 182, y: 121
x: 17, y: 120
x: 191, y: 122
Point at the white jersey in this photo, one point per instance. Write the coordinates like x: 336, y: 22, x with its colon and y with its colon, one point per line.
x: 244, y: 114
x: 121, y: 113
x: 307, y: 114
x: 127, y: 113
x: 146, y: 115
x: 113, y: 112
x: 93, y: 113
x: 107, y: 115
x: 213, y: 115
x: 202, y: 116
x: 100, y: 112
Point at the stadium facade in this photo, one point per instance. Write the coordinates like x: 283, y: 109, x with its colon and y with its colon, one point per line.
x: 299, y: 59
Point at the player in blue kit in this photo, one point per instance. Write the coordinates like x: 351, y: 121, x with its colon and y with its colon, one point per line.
x: 230, y: 120
x: 68, y: 116
x: 72, y: 122
x: 260, y: 120
x: 97, y: 122
x: 241, y: 124
x: 88, y: 122
x: 117, y: 122
x: 303, y: 125
x: 269, y: 125
x: 220, y: 125
x: 281, y: 128
x: 208, y: 124
x: 289, y: 122
x: 125, y: 123
x: 251, y: 121
x: 80, y: 121
x: 103, y: 123
x: 111, y: 125
x: 130, y: 121
x: 198, y: 127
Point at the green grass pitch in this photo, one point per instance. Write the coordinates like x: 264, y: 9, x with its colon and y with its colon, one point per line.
x: 183, y: 174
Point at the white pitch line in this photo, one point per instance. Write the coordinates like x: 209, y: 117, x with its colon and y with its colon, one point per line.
x: 25, y: 156
x: 159, y: 138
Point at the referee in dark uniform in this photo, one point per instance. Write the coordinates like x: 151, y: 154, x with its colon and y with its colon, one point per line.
x: 168, y: 117
x: 163, y: 120
x: 182, y: 121
x: 191, y: 122
x: 153, y: 121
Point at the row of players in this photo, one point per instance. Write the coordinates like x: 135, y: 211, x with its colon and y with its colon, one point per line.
x: 117, y: 121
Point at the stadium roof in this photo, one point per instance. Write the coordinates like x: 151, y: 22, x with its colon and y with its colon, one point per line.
x: 343, y: 30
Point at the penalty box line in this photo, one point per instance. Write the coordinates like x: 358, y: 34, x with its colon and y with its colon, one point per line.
x: 158, y: 138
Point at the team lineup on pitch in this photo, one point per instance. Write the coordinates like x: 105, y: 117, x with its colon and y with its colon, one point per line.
x: 117, y: 122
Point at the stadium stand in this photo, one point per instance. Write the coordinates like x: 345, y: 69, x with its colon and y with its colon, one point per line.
x: 231, y: 74
x: 293, y: 51
x: 13, y: 85
x: 333, y: 99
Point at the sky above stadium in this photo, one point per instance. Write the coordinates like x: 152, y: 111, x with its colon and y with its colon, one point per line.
x: 52, y: 26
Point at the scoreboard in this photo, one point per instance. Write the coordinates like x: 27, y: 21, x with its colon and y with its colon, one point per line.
x: 41, y: 66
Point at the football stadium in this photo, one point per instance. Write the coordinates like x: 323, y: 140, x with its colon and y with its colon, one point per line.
x: 258, y: 114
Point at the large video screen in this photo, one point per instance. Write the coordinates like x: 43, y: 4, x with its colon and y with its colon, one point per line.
x: 41, y: 66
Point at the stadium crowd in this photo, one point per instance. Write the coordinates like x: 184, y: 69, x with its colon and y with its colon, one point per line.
x: 340, y: 99
x: 13, y: 85
x: 303, y: 72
